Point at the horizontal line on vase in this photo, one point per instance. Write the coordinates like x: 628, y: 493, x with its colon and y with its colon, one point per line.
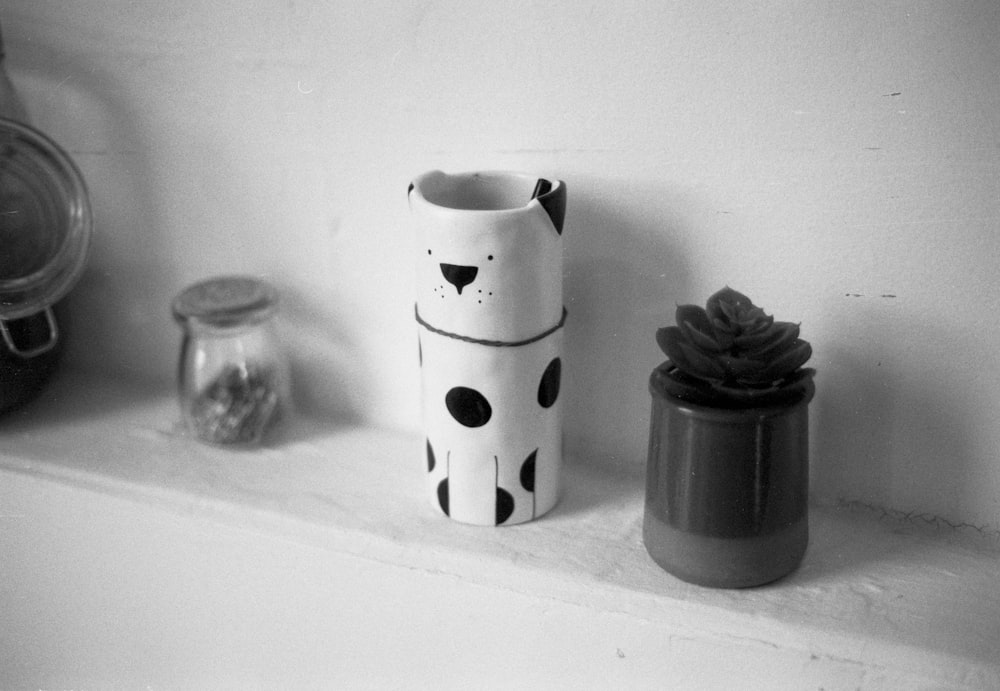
x: 485, y: 342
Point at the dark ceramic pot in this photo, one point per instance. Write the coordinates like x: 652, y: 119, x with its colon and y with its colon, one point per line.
x: 727, y: 489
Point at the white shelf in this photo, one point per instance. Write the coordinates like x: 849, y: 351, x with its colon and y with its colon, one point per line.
x: 878, y: 603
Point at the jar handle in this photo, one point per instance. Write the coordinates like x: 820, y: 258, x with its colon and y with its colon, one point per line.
x: 37, y: 350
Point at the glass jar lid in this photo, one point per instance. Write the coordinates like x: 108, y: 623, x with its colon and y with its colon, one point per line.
x: 45, y: 221
x: 226, y: 301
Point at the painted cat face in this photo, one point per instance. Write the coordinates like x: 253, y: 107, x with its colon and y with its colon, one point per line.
x: 457, y: 276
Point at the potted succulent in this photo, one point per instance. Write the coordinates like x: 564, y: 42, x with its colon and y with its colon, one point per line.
x: 727, y: 478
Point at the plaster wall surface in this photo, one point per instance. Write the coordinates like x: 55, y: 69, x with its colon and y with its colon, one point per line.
x: 837, y: 162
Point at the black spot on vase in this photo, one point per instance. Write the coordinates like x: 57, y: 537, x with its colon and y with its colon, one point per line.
x: 548, y: 387
x: 458, y: 275
x: 468, y: 406
x: 431, y: 461
x: 443, y: 496
x: 553, y: 201
x: 505, y: 505
x: 528, y: 471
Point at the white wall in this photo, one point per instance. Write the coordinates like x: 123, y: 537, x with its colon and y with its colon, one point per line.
x: 838, y: 162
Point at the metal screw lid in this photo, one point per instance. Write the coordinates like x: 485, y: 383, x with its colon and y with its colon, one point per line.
x: 226, y: 301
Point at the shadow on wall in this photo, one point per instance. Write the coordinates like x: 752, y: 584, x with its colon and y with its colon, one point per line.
x: 326, y: 380
x: 882, y: 437
x: 121, y: 303
x: 850, y: 445
x: 625, y: 268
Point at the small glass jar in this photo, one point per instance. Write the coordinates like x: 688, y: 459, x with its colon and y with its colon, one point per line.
x: 233, y: 376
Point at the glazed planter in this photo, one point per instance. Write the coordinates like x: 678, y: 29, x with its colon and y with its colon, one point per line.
x: 489, y: 314
x: 727, y: 488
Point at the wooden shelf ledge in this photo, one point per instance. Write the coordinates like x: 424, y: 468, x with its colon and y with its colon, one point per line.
x: 878, y: 602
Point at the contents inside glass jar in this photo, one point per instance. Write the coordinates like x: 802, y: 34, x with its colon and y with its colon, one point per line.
x: 238, y: 406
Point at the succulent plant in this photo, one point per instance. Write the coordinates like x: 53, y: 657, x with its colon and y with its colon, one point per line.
x: 731, y: 353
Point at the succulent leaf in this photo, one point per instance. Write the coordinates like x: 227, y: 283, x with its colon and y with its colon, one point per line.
x: 721, y: 325
x: 759, y: 322
x: 694, y: 314
x: 738, y: 367
x: 789, y: 360
x: 688, y: 357
x: 705, y: 341
x: 667, y: 338
x: 729, y: 297
x: 761, y: 337
x: 697, y: 327
x: 765, y: 344
x: 729, y: 311
x: 700, y: 364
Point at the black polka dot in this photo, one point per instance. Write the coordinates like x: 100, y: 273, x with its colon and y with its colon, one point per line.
x: 443, y: 496
x: 528, y: 471
x: 548, y: 387
x: 505, y: 505
x: 468, y: 406
x: 431, y: 462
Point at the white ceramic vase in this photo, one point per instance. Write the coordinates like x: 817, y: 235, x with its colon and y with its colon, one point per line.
x: 490, y: 314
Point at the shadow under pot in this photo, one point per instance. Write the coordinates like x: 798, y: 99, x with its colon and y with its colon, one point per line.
x: 45, y: 229
x: 726, y: 501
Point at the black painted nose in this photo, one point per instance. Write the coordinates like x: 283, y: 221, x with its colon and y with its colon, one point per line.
x: 459, y: 276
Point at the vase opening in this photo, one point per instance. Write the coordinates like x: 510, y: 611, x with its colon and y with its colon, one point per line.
x: 479, y: 191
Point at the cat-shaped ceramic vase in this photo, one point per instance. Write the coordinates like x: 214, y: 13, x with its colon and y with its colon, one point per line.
x: 490, y: 315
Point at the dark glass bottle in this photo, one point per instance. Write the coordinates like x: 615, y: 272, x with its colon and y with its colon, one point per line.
x: 45, y: 227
